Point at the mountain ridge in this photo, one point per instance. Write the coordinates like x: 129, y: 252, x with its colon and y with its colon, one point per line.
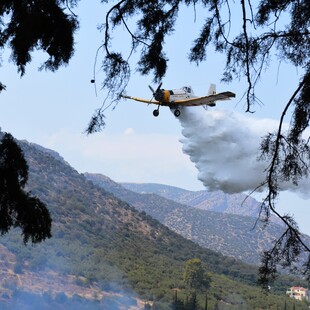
x: 238, y: 236
x: 239, y: 204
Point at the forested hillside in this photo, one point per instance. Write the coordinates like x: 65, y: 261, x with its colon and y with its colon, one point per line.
x: 100, y: 242
x: 241, y: 237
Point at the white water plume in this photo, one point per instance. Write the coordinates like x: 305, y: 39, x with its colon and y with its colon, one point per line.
x: 225, y: 147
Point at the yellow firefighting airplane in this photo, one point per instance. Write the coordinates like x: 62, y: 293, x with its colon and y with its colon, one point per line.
x: 176, y: 98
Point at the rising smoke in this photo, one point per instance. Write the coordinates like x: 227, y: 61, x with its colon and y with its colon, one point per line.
x: 225, y: 147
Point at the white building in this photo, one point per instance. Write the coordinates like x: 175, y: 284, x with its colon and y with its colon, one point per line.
x: 298, y: 292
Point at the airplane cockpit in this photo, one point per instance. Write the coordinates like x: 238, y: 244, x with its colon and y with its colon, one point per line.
x: 187, y: 89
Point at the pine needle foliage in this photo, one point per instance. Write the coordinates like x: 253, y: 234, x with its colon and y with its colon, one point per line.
x: 17, y: 207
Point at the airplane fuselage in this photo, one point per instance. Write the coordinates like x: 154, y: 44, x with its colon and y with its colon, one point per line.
x: 169, y: 97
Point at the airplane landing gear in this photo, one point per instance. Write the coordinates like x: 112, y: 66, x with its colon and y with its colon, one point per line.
x: 177, y: 113
x: 156, y: 112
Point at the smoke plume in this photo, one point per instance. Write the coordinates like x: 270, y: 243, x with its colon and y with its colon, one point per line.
x: 225, y: 147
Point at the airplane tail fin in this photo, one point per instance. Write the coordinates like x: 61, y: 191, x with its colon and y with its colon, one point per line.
x: 212, y: 89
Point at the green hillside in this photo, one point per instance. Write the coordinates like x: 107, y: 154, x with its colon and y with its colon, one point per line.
x: 102, y: 243
x: 230, y: 234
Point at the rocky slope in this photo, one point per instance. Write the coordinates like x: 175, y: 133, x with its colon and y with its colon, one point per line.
x: 223, y: 229
x: 104, y: 254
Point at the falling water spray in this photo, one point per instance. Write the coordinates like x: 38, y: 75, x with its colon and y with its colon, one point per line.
x: 225, y: 148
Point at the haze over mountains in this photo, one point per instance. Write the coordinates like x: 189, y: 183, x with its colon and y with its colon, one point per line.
x: 217, y: 201
x: 105, y: 254
x: 188, y: 213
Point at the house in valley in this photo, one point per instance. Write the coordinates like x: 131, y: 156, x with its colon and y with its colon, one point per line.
x: 298, y: 292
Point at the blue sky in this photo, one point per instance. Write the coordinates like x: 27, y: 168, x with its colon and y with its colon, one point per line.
x: 53, y: 109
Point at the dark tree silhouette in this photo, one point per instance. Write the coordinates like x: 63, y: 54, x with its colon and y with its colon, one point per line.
x: 26, y: 26
x: 38, y: 24
x: 268, y: 30
x: 17, y: 207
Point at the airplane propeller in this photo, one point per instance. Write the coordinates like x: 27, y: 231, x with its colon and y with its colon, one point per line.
x: 151, y: 88
x: 156, y: 93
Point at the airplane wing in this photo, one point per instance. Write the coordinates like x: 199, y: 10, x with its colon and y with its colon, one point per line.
x: 141, y: 100
x: 206, y: 100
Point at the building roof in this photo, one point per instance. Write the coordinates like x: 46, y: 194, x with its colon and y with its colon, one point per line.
x: 298, y: 288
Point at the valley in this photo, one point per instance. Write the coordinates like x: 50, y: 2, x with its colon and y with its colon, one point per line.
x: 106, y: 253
